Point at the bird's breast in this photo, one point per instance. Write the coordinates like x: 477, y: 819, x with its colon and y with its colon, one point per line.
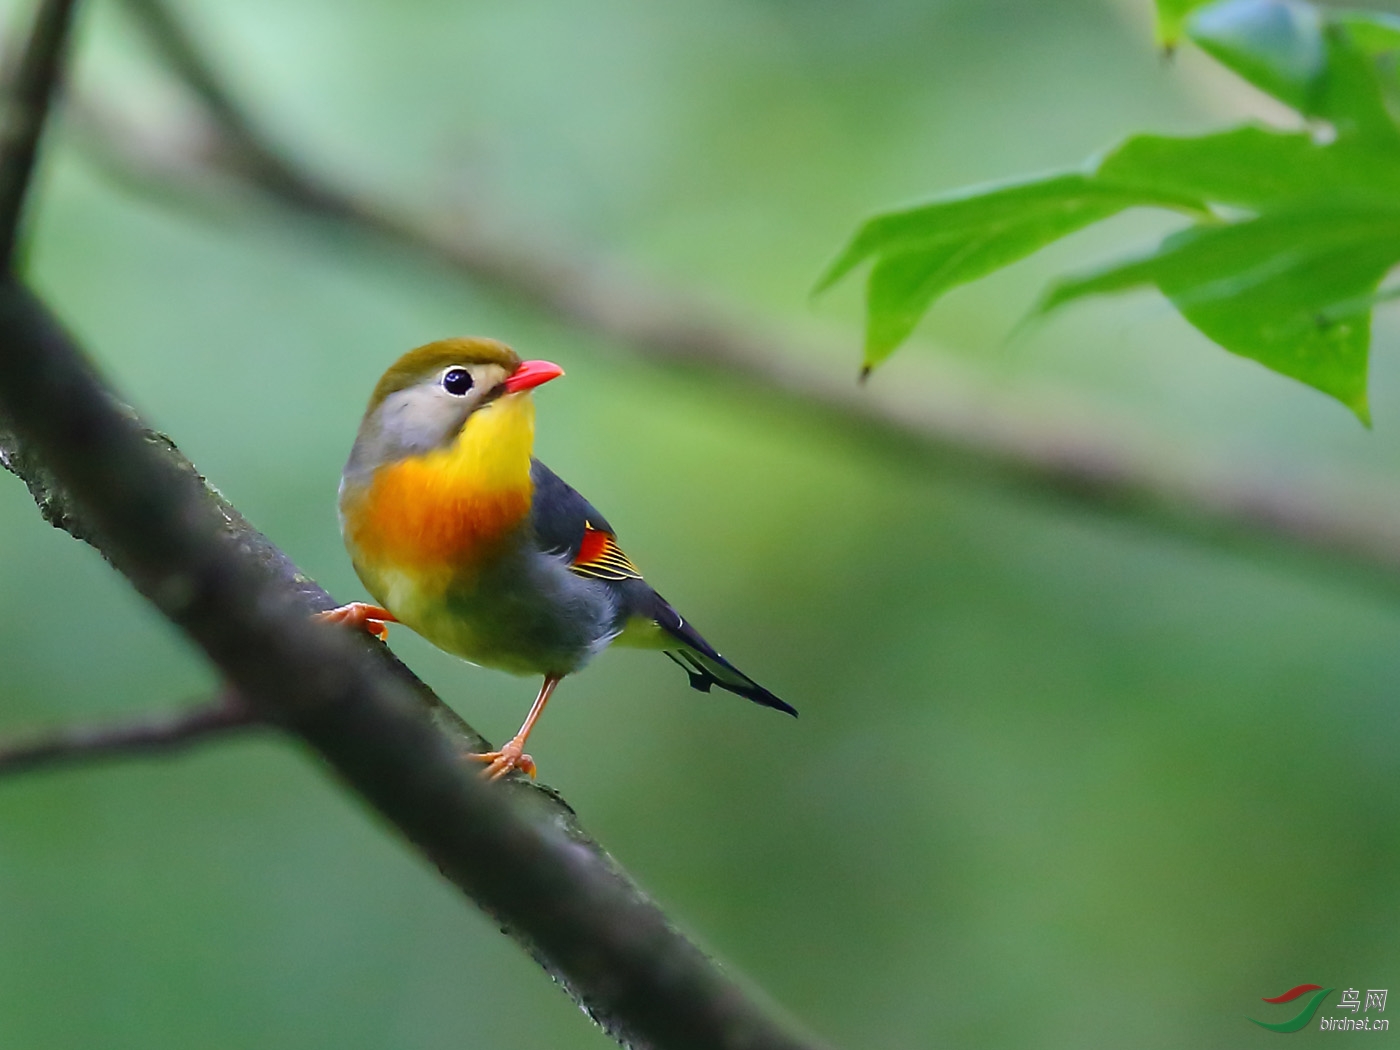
x: 413, y: 516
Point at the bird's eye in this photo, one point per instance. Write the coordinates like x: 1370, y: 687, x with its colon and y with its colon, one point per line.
x: 457, y: 381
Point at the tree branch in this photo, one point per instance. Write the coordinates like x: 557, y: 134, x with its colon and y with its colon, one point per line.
x: 516, y: 850
x: 31, y: 90
x: 153, y: 734
x: 947, y: 416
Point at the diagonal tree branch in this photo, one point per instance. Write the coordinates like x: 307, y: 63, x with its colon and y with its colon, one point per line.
x: 152, y: 734
x: 946, y: 416
x: 517, y: 851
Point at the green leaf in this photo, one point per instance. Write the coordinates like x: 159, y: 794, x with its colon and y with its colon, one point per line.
x: 1322, y: 65
x: 899, y: 292
x: 904, y: 285
x: 1276, y: 45
x: 1376, y: 36
x: 923, y: 252
x: 1023, y: 216
x: 927, y: 250
x: 1298, y: 228
x: 1373, y: 32
x: 1353, y: 93
x: 1171, y: 20
x: 1287, y: 290
x: 1254, y: 168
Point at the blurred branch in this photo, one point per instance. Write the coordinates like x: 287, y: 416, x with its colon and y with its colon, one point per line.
x: 151, y: 734
x: 947, y: 417
x: 254, y: 158
x: 516, y: 850
x: 30, y: 89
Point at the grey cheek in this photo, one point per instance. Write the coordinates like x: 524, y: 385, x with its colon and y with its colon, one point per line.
x: 397, y: 423
x: 408, y: 428
x: 422, y: 422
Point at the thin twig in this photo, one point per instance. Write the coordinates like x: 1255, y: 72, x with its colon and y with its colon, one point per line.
x: 148, y: 735
x: 946, y: 415
x: 28, y: 96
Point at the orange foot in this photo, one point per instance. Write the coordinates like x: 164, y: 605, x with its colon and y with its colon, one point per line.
x: 362, y: 617
x: 511, y: 756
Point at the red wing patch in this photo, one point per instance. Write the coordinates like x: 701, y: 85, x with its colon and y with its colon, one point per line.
x: 600, y: 557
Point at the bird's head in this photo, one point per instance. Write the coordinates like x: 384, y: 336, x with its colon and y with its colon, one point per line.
x: 425, y: 398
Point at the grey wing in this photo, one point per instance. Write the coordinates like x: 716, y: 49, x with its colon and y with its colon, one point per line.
x: 559, y: 514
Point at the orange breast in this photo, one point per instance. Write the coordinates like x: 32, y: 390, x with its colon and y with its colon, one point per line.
x: 417, y: 515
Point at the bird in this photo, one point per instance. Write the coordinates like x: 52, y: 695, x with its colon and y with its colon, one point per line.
x: 458, y: 532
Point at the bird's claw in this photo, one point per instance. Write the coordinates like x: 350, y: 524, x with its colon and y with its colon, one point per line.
x: 510, y: 757
x: 361, y: 616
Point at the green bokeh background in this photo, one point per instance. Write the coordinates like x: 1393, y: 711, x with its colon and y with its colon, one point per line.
x: 1060, y: 780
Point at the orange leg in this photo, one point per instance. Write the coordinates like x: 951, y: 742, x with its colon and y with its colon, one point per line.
x: 361, y: 616
x: 512, y: 754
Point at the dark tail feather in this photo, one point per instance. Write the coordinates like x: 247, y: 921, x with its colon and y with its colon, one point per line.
x: 707, y: 669
x: 697, y: 657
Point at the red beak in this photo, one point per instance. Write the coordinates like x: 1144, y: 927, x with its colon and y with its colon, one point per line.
x: 531, y: 374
